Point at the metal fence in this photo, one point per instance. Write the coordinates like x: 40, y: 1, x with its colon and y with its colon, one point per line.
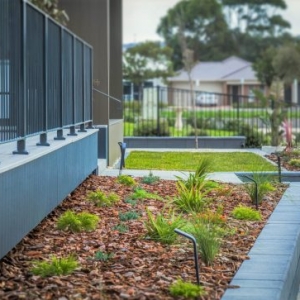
x: 174, y: 112
x: 45, y: 75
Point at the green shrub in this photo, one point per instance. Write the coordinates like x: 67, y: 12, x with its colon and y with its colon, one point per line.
x: 126, y: 180
x: 102, y: 256
x: 122, y: 228
x: 161, y: 228
x: 186, y: 289
x: 101, y: 199
x: 263, y: 187
x: 77, y: 222
x: 246, y: 213
x: 190, y: 199
x: 295, y: 162
x: 150, y: 179
x: 131, y: 215
x: 208, y: 238
x: 140, y: 193
x: 201, y: 123
x: 198, y: 180
x: 131, y: 201
x: 56, y: 267
x: 253, y: 137
x: 151, y: 128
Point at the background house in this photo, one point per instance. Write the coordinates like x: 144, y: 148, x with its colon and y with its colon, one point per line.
x: 232, y: 76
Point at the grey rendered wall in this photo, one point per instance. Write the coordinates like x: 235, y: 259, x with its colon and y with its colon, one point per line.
x: 32, y: 190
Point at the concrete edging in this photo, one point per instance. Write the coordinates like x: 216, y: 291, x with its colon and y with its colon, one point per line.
x: 272, y: 272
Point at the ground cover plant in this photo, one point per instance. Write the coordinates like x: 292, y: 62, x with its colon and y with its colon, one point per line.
x: 186, y: 161
x: 140, y: 267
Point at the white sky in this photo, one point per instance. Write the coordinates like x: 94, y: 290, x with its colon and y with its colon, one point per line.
x: 141, y: 18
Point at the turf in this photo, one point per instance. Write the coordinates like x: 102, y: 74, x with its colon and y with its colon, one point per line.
x: 187, y: 161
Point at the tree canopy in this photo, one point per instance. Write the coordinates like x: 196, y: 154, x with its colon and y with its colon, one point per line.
x: 216, y: 29
x: 146, y: 61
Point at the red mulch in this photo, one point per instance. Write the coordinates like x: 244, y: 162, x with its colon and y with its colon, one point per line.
x: 285, y: 157
x: 140, y: 268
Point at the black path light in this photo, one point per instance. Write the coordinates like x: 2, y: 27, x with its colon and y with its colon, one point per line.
x: 278, y: 165
x: 190, y: 237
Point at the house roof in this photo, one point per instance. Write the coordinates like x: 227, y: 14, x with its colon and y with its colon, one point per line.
x: 232, y: 68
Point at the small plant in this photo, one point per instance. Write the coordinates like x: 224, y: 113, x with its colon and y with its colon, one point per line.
x: 122, y: 228
x: 56, y: 267
x: 140, y: 193
x: 246, y: 213
x: 190, y: 200
x: 77, y: 222
x: 208, y: 240
x: 186, y: 289
x: 150, y: 179
x: 126, y: 180
x: 131, y: 201
x: 263, y: 187
x: 100, y: 199
x: 210, y: 217
x: 99, y: 255
x: 295, y: 162
x: 161, y: 228
x: 130, y: 215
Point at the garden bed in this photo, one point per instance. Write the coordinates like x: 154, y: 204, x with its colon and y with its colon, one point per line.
x: 140, y: 268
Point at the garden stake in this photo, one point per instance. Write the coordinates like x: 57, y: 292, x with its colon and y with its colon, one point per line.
x: 190, y: 237
x: 256, y: 190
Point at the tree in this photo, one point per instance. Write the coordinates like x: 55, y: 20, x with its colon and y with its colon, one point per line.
x: 276, y: 68
x: 205, y: 30
x: 50, y: 7
x: 147, y: 60
x: 256, y: 17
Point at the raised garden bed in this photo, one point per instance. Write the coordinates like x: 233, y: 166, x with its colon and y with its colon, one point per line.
x: 140, y: 268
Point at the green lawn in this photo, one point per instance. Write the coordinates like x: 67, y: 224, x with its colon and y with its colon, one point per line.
x: 187, y: 161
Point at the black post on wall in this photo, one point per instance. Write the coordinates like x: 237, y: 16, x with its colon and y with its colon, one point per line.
x: 21, y: 144
x: 72, y: 128
x: 43, y: 136
x: 158, y: 115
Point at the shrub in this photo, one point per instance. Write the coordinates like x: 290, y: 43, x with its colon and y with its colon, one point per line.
x: 122, y: 228
x: 102, y: 256
x: 131, y: 215
x: 295, y: 162
x: 150, y: 179
x: 198, y: 180
x: 211, y: 217
x: 246, y: 213
x: 263, y: 187
x: 186, y: 289
x: 126, y: 180
x: 77, y: 222
x: 140, y: 193
x: 161, y: 228
x: 151, y: 128
x: 100, y: 199
x: 208, y: 238
x: 190, y: 199
x: 201, y: 123
x: 57, y: 266
x: 131, y: 201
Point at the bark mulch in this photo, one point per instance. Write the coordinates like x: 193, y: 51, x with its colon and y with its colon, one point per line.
x: 140, y: 268
x: 285, y: 158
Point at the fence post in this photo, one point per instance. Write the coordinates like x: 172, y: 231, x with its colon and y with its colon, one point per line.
x: 158, y: 112
x: 43, y: 136
x: 21, y: 144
